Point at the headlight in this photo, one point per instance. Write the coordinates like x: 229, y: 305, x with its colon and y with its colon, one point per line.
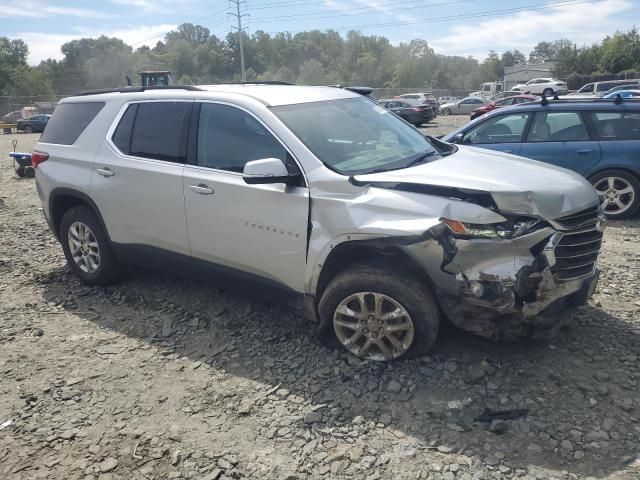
x: 504, y: 230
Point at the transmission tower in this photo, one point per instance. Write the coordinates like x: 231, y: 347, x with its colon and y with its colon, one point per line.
x: 240, y: 29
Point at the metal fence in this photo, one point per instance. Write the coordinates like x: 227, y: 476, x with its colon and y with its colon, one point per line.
x: 26, y: 106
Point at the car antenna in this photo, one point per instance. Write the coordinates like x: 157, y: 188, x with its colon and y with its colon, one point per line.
x: 618, y: 99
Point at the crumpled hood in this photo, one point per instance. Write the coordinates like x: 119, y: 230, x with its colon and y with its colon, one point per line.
x: 518, y: 185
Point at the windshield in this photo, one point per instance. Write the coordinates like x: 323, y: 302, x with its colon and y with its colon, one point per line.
x: 354, y: 135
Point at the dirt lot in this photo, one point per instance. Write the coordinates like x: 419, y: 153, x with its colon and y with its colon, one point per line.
x: 164, y: 378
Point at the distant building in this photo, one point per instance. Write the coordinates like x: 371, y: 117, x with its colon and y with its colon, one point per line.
x: 523, y: 73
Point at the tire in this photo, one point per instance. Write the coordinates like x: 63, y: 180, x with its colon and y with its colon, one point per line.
x: 610, y: 184
x: 548, y: 92
x: 28, y: 129
x: 445, y: 111
x: 20, y: 172
x: 105, y: 270
x: 416, y: 332
x: 418, y: 124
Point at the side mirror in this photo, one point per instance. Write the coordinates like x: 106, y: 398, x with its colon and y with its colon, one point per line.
x: 267, y: 171
x: 457, y: 138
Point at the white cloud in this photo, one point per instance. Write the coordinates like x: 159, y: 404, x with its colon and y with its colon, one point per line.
x: 582, y: 23
x: 32, y: 9
x: 47, y: 45
x: 377, y: 7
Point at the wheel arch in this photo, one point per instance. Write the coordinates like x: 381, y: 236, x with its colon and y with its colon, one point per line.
x: 624, y: 168
x: 62, y: 199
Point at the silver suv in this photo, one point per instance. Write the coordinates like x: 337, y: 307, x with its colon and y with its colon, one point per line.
x: 321, y: 193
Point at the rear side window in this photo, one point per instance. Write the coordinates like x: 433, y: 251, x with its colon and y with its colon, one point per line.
x: 617, y: 125
x: 557, y: 127
x: 160, y: 131
x: 68, y: 121
x: 122, y: 136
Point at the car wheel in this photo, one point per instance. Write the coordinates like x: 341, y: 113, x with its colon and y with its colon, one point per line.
x: 28, y: 129
x: 20, y: 172
x: 619, y: 193
x: 417, y: 124
x: 86, y: 247
x: 548, y: 92
x: 378, y: 313
x: 445, y: 111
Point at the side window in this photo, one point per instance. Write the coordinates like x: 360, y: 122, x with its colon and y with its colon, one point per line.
x: 557, y: 127
x: 587, y: 88
x: 228, y: 138
x: 500, y: 129
x: 617, y: 126
x: 159, y: 131
x: 122, y: 136
x: 69, y: 121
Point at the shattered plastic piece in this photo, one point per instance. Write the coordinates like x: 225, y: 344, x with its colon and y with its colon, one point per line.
x: 4, y: 425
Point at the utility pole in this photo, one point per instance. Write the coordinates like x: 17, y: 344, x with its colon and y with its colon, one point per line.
x: 240, y: 40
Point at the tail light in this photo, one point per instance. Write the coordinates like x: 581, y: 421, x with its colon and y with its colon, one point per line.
x: 38, y: 157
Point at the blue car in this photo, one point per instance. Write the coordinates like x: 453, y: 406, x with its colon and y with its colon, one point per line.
x: 600, y: 139
x: 623, y: 94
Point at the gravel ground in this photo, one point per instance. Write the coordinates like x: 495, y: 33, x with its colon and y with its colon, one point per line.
x: 163, y: 378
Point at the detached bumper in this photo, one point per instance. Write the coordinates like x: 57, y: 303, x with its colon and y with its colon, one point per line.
x: 506, y: 288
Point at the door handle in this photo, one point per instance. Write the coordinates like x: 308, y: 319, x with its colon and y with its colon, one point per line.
x: 105, y: 172
x: 584, y: 151
x: 202, y: 189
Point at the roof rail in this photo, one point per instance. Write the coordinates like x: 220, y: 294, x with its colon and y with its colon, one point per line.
x: 617, y: 100
x: 256, y: 82
x: 137, y: 89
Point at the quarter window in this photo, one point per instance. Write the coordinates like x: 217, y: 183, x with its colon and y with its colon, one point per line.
x: 228, y: 138
x: 159, y: 131
x: 500, y: 129
x: 69, y: 121
x: 122, y: 136
x: 617, y: 125
x: 557, y: 127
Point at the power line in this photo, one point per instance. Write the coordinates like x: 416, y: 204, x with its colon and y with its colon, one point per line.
x: 488, y: 13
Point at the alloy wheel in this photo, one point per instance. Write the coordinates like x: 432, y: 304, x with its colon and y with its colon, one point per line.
x: 616, y: 195
x: 374, y: 326
x: 83, y: 247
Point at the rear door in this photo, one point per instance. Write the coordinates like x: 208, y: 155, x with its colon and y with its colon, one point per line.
x: 260, y: 230
x: 137, y: 178
x: 501, y: 132
x: 562, y: 139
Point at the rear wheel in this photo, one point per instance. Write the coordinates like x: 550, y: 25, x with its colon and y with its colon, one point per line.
x: 548, y: 92
x: 445, y: 111
x: 379, y: 314
x: 28, y: 129
x: 618, y: 191
x: 86, y: 248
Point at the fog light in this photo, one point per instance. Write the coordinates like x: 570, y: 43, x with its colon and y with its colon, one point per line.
x: 477, y: 289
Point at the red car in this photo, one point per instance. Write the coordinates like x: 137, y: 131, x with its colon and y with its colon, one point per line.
x: 503, y: 102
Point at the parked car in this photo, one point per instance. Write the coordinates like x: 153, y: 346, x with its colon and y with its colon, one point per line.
x: 509, y: 93
x: 623, y: 94
x: 411, y: 110
x: 462, y: 107
x: 33, y: 124
x: 443, y: 100
x: 542, y: 86
x: 633, y: 86
x: 426, y: 97
x: 598, y: 89
x: 598, y: 139
x: 320, y: 193
x: 11, y: 117
x: 505, y: 102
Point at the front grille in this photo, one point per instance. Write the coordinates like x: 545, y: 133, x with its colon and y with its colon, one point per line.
x: 582, y: 219
x: 576, y: 254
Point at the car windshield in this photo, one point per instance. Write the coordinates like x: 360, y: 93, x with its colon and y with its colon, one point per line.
x: 355, y: 136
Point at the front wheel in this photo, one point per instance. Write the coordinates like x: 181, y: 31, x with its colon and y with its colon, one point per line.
x: 445, y: 111
x: 86, y: 248
x: 618, y: 191
x: 379, y: 314
x: 28, y: 129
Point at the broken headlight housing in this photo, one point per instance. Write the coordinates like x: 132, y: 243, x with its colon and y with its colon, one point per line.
x: 512, y: 228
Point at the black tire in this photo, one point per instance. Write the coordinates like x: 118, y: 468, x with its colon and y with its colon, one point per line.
x: 631, y: 180
x: 414, y: 296
x: 445, y: 111
x: 20, y: 172
x: 108, y: 270
x: 548, y: 92
x: 28, y: 129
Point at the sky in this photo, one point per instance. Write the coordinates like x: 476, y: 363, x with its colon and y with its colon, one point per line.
x: 452, y: 27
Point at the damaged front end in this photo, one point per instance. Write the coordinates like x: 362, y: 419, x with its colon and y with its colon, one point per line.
x: 515, y: 279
